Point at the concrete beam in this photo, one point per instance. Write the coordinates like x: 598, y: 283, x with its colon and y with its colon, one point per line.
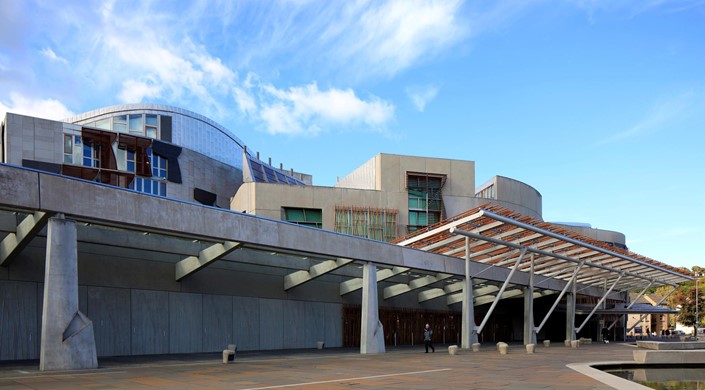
x: 399, y: 289
x: 434, y: 293
x: 214, y: 252
x: 355, y: 284
x: 481, y: 300
x: 13, y: 243
x: 300, y: 277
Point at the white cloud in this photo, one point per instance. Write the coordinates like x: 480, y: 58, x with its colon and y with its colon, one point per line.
x: 304, y: 109
x: 388, y: 37
x: 135, y: 91
x: 421, y: 95
x: 245, y: 101
x: 49, y: 53
x: 660, y: 115
x: 41, y: 108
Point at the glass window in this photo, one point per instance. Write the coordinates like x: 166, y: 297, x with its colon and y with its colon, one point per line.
x: 68, y: 149
x: 103, y: 124
x: 77, y: 150
x: 159, y: 168
x: 136, y: 124
x: 151, y: 120
x: 301, y: 216
x: 425, y: 200
x: 148, y: 186
x: 120, y: 123
x: 91, y: 156
x: 151, y: 125
x: 130, y: 161
x: 269, y: 172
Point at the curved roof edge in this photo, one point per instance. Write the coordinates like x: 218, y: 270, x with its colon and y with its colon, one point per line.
x: 156, y: 107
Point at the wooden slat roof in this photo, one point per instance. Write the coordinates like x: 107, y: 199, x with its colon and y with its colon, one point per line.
x: 603, y: 261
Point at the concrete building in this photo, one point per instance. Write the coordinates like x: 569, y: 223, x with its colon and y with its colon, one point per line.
x: 148, y: 229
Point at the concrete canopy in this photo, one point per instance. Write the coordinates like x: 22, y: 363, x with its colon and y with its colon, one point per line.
x: 196, y: 236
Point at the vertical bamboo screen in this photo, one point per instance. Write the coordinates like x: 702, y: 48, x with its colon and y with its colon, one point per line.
x: 373, y: 223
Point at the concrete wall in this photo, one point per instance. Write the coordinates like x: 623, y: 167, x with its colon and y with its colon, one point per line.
x: 515, y: 195
x: 33, y: 139
x: 385, y: 172
x: 143, y: 322
x: 598, y: 234
x: 364, y: 177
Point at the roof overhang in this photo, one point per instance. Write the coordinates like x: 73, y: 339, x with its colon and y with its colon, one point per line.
x: 493, y: 235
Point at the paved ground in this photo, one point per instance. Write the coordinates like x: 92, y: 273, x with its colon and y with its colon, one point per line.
x: 402, y: 368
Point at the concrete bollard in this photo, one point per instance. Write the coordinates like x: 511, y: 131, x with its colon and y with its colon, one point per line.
x: 575, y: 343
x: 530, y: 348
x: 453, y: 349
x: 503, y: 348
x: 229, y: 353
x: 547, y: 343
x: 476, y: 347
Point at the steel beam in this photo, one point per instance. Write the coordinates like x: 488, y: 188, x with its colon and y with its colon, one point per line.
x: 560, y: 296
x: 598, y: 304
x: 641, y: 294
x: 549, y: 233
x: 501, y: 290
x: 643, y: 316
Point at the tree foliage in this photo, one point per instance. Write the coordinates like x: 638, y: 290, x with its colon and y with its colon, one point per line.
x: 683, y: 298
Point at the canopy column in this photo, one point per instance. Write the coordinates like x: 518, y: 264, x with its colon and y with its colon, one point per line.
x: 372, y: 332
x: 469, y: 329
x: 570, y: 313
x: 529, y: 328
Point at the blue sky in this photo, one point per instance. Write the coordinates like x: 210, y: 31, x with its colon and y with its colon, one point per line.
x: 600, y: 105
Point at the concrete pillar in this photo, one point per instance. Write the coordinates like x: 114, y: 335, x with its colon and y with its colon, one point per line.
x: 570, y: 314
x: 372, y: 333
x: 468, y: 334
x: 529, y: 327
x: 68, y: 342
x: 468, y: 328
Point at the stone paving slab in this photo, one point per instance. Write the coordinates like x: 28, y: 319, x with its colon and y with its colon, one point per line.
x: 400, y: 368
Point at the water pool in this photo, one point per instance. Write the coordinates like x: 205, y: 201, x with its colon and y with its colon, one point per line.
x: 682, y: 377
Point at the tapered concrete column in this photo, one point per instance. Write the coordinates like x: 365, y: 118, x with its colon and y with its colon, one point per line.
x: 468, y: 332
x: 68, y: 342
x: 529, y: 327
x: 570, y: 314
x: 372, y: 333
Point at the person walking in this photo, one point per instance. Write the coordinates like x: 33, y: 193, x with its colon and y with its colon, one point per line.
x: 427, y: 333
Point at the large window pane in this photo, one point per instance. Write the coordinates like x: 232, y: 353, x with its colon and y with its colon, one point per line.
x: 103, y: 124
x: 136, y: 124
x: 120, y: 123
